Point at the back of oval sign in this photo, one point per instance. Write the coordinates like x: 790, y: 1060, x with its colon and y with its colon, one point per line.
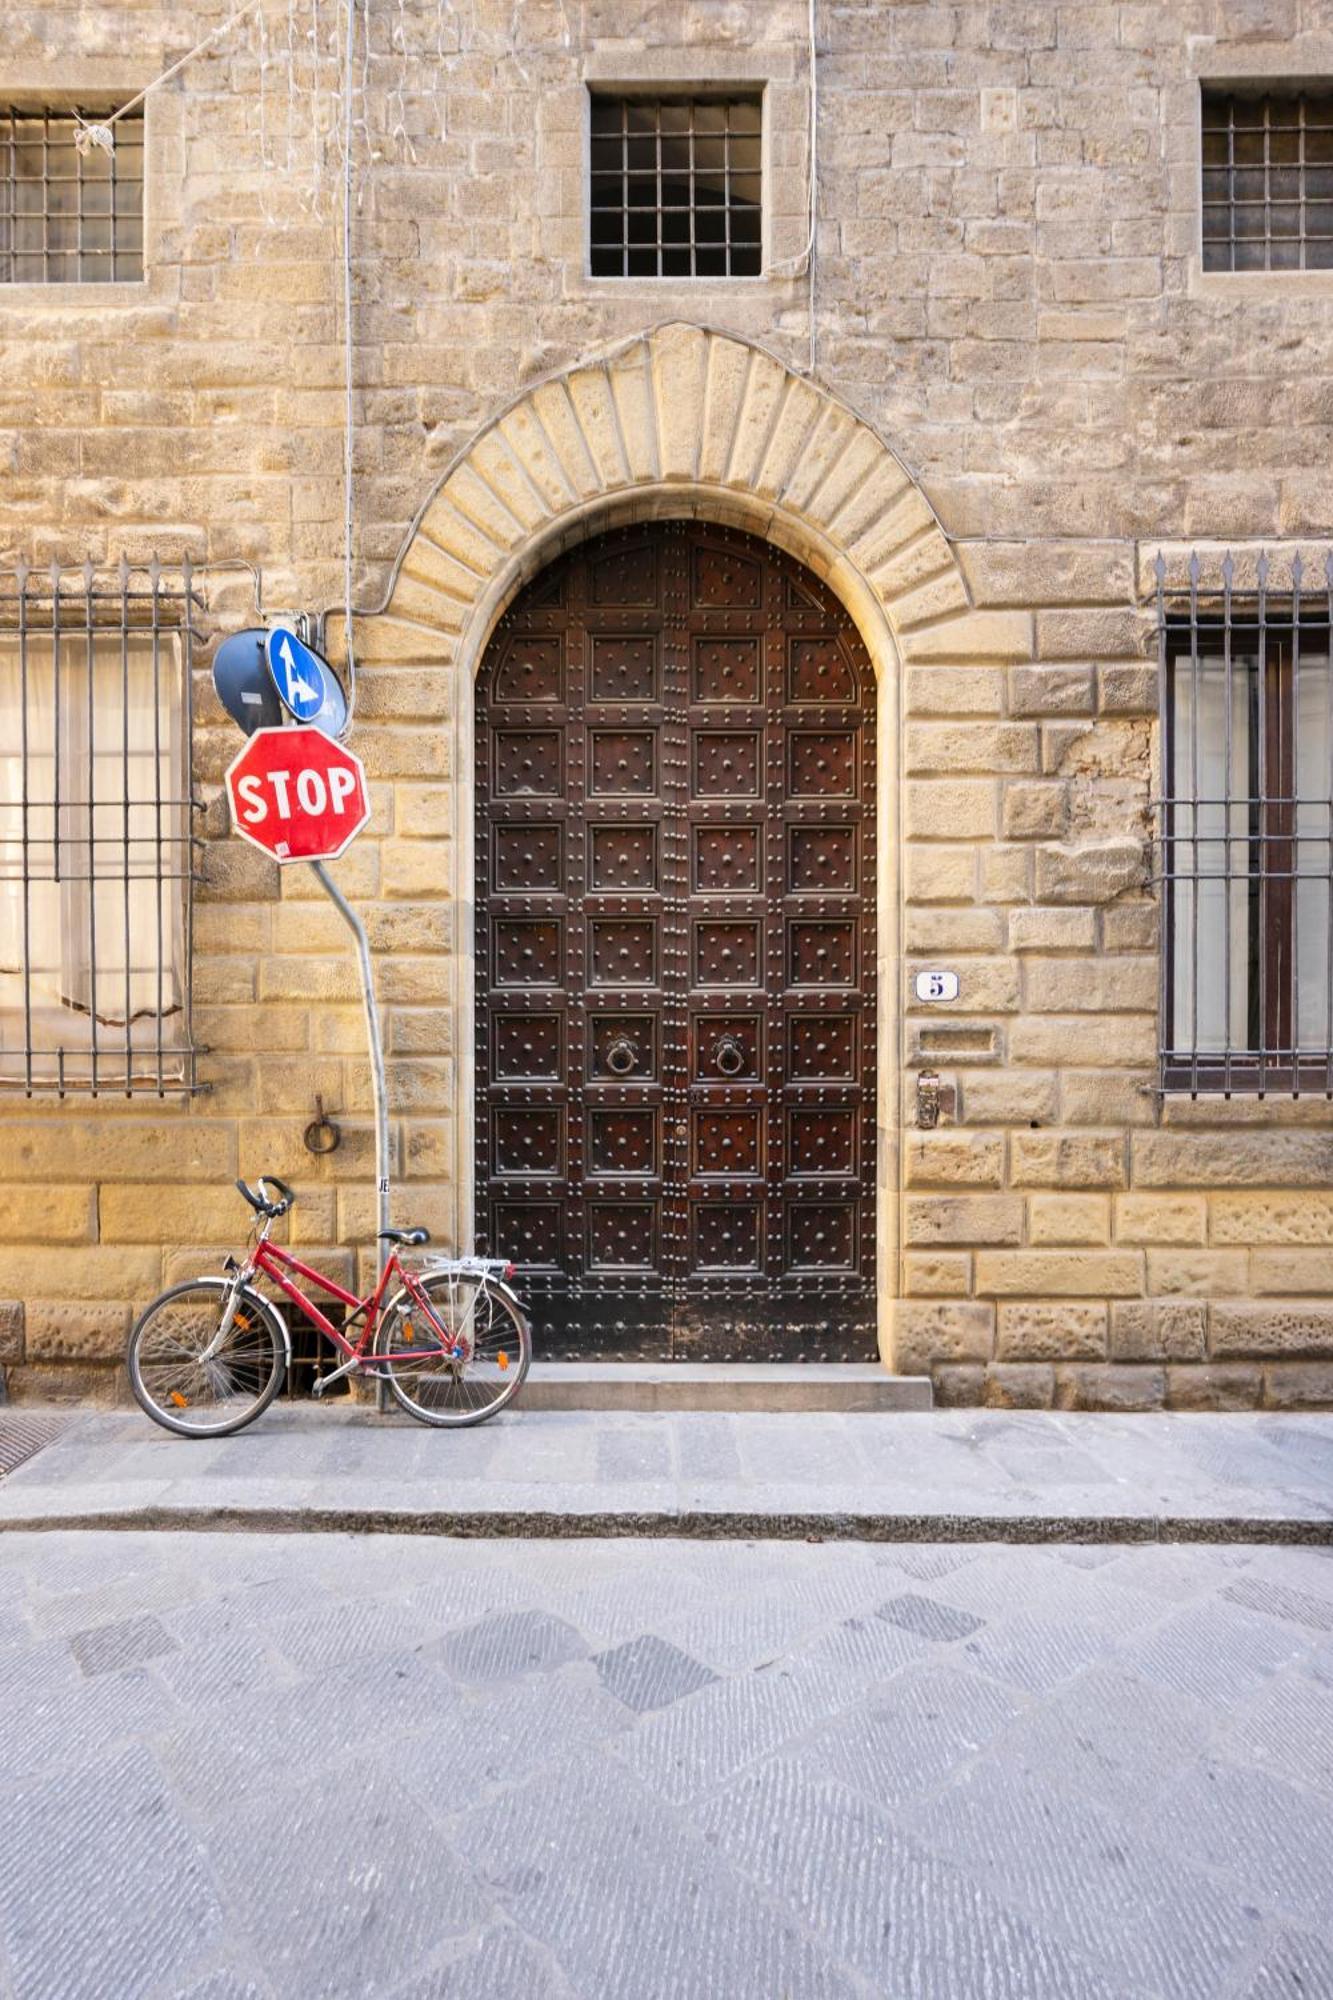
x: 243, y: 682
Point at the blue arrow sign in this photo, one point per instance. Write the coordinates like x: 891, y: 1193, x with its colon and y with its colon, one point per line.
x: 300, y: 676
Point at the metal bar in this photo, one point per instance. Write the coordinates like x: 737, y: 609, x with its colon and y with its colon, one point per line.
x: 155, y: 581
x: 1165, y: 1011
x: 1328, y: 704
x: 1195, y: 733
x: 376, y: 1046
x: 89, y: 654
x: 1289, y: 739
x: 185, y: 874
x: 1228, y: 569
x: 1261, y: 731
x: 125, y: 776
x: 26, y: 831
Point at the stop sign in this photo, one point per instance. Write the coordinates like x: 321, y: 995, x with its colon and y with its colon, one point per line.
x: 297, y: 794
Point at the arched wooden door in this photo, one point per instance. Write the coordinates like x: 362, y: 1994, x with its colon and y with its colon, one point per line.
x: 675, y: 1023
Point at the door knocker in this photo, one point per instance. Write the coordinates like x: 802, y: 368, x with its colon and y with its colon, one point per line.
x: 728, y: 1055
x: 622, y: 1056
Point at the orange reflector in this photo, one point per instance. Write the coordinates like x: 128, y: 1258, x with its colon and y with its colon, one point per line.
x: 408, y: 1335
x: 502, y: 1359
x: 180, y: 1401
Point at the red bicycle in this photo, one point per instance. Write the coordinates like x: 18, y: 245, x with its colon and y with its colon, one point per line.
x: 451, y: 1340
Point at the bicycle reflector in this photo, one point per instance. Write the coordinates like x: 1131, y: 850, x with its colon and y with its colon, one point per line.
x: 511, y: 1270
x: 502, y: 1360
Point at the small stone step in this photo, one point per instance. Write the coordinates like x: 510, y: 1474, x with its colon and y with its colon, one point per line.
x: 682, y: 1385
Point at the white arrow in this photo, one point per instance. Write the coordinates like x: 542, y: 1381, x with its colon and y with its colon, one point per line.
x: 297, y: 689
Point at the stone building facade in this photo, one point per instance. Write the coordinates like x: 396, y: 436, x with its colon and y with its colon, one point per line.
x: 1002, y: 386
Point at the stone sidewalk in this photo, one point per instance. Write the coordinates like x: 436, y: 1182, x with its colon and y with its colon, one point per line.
x: 952, y: 1475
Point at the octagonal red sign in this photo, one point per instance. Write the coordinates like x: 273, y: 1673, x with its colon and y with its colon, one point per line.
x: 297, y: 794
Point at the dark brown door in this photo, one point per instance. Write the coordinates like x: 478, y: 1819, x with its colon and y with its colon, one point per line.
x: 676, y: 953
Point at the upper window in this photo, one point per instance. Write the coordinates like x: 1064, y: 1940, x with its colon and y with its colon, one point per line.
x: 1247, y: 844
x: 676, y: 187
x: 70, y: 212
x: 96, y: 841
x: 1267, y: 182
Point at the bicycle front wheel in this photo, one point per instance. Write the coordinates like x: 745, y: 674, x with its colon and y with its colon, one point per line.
x: 462, y: 1358
x: 191, y: 1382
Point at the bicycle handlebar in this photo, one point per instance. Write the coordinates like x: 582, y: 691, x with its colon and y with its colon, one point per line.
x: 260, y: 1202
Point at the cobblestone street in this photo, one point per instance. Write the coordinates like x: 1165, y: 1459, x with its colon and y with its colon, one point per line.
x: 301, y: 1767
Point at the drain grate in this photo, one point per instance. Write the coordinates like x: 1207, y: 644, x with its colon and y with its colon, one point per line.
x: 24, y: 1434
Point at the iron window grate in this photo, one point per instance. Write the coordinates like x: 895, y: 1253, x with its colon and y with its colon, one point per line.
x: 676, y: 187
x: 69, y: 214
x: 1245, y: 829
x: 97, y: 838
x: 1267, y: 181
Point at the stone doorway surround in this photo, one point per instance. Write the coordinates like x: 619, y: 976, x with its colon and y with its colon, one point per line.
x: 680, y: 421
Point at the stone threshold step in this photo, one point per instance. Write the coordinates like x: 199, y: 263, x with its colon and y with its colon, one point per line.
x: 686, y: 1385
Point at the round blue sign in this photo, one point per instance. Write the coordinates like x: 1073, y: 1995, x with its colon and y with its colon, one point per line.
x: 300, y: 676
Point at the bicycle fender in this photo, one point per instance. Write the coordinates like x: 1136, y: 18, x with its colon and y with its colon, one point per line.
x: 257, y: 1298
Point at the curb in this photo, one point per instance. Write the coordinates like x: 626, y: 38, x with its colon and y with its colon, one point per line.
x: 472, y: 1525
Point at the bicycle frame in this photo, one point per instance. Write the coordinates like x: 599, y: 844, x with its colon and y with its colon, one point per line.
x: 276, y: 1262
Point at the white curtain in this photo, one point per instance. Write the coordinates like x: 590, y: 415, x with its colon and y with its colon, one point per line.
x: 1314, y: 853
x: 91, y: 896
x: 1210, y: 855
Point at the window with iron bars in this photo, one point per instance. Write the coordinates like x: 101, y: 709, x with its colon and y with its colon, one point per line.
x: 70, y: 211
x: 675, y: 187
x: 1246, y: 831
x: 1267, y: 181
x: 97, y: 843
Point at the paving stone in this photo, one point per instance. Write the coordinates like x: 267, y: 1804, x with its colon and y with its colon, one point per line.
x: 334, y: 1634
x: 649, y: 1673
x: 931, y: 1720
x: 1295, y: 1967
x: 1033, y: 1652
x: 1290, y: 1729
x: 500, y: 1965
x: 700, y: 1742
x: 520, y: 1642
x: 224, y: 1986
x: 1154, y: 1921
x: 1278, y: 1600
x: 908, y: 1923
x: 1110, y: 1737
x: 865, y: 1651
x: 1274, y: 1836
x: 927, y: 1617
x: 486, y: 1738
x: 1216, y: 1655
x: 371, y: 1850
x: 112, y: 1833
x: 632, y: 1902
x: 127, y: 1643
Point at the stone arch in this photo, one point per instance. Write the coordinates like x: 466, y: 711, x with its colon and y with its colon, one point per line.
x: 681, y: 420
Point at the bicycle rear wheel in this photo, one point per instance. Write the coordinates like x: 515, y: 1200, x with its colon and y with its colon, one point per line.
x: 194, y: 1396
x: 491, y: 1345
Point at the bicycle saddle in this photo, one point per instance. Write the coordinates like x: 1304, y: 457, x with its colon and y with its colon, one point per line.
x: 413, y: 1238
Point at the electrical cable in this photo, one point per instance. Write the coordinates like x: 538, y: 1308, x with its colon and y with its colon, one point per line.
x: 100, y: 131
x: 349, y: 426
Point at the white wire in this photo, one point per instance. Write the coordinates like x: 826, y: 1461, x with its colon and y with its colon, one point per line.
x: 349, y: 431
x: 105, y: 124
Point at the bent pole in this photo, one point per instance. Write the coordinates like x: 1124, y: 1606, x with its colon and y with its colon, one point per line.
x: 357, y: 928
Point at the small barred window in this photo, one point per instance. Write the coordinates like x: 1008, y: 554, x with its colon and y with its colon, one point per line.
x: 676, y: 187
x: 1267, y: 181
x: 71, y: 211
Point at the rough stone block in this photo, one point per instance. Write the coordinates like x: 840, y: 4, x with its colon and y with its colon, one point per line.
x: 1232, y: 1387
x: 1033, y: 1332
x: 1061, y: 1273
x: 1007, y: 1096
x: 1050, y: 691
x: 1164, y: 1218
x: 1198, y: 1273
x: 1113, y: 1388
x: 1094, y: 872
x: 952, y: 1158
x: 76, y: 1330
x: 1069, y: 1218
x: 1298, y: 1386
x: 982, y: 1218
x: 959, y: 1385
x: 1035, y: 811
x: 925, y: 1333
x: 1232, y: 1159
x: 1068, y: 1160
x: 11, y: 1332
x: 1052, y: 930
x: 945, y: 1274
x: 1158, y: 1330
x: 1018, y: 1385
x: 1299, y: 1332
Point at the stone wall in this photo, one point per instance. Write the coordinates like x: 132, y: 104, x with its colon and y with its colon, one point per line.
x: 1007, y: 295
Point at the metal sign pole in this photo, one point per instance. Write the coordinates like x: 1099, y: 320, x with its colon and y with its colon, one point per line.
x: 358, y: 930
